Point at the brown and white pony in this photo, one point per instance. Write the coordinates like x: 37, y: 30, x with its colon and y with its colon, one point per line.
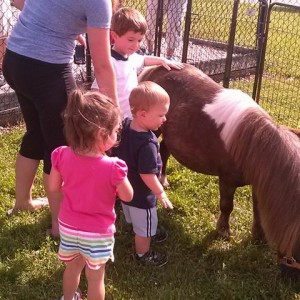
x: 223, y: 132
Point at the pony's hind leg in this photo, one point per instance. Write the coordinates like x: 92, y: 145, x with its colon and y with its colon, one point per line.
x: 165, y: 154
x: 226, y: 206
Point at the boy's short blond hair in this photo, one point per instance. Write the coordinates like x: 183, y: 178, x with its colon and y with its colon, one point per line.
x: 128, y: 19
x: 146, y: 95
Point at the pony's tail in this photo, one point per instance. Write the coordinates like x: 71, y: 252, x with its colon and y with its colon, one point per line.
x: 269, y: 157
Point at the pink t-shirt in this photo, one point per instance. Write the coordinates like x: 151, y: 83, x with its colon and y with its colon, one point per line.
x: 89, y: 189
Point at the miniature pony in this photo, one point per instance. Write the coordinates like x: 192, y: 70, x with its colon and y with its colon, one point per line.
x: 223, y: 132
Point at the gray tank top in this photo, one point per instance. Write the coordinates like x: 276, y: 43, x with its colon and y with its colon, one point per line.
x: 46, y: 29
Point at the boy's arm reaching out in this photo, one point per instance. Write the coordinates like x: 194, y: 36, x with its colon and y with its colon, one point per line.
x: 155, y: 186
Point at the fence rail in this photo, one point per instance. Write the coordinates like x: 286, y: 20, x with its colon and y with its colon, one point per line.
x: 253, y: 45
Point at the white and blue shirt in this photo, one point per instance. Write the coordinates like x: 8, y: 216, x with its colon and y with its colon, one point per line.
x: 127, y: 70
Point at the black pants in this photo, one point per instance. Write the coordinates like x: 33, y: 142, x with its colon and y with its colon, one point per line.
x: 42, y: 90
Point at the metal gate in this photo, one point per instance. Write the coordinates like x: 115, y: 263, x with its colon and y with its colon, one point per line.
x: 253, y: 45
x: 277, y: 80
x: 222, y: 37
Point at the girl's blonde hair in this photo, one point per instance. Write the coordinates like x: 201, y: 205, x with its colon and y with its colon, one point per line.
x: 146, y: 95
x: 128, y: 19
x: 85, y: 115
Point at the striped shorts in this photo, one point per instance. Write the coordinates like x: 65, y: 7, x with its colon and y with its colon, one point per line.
x: 144, y: 220
x: 95, y: 248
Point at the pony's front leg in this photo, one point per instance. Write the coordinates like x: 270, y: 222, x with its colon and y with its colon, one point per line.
x: 165, y: 154
x: 226, y: 206
x: 257, y: 231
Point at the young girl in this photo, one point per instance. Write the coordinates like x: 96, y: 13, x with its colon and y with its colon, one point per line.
x: 87, y: 181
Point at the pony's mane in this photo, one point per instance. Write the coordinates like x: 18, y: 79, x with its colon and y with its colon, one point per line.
x: 269, y: 156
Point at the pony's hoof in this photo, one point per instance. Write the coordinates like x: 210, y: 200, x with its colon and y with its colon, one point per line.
x: 258, y: 240
x: 289, y: 273
x: 258, y: 235
x: 223, y: 228
x: 224, y: 233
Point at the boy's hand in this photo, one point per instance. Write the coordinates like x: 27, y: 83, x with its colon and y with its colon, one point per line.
x: 168, y: 64
x: 164, y: 200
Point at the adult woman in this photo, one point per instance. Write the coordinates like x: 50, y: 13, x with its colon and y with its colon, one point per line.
x: 37, y: 65
x: 175, y: 10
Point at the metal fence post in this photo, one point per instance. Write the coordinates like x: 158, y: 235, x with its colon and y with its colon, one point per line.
x: 230, y: 47
x: 187, y: 28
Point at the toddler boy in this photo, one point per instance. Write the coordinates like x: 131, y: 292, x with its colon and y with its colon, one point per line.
x: 139, y: 148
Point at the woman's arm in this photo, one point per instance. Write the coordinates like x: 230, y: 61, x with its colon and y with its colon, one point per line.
x: 99, y: 43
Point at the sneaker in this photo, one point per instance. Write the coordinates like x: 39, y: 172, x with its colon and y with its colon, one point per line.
x: 77, y: 296
x: 152, y: 258
x: 160, y: 236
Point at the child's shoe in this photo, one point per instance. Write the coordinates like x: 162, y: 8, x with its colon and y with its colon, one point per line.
x: 160, y: 236
x: 77, y: 295
x: 152, y: 258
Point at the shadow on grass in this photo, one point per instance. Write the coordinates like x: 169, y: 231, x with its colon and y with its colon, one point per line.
x: 29, y: 267
x: 206, y: 267
x: 23, y: 231
x: 200, y: 265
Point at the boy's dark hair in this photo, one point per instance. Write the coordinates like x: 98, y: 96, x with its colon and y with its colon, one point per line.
x: 128, y: 19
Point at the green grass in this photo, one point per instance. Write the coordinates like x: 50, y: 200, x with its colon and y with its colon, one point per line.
x: 200, y: 266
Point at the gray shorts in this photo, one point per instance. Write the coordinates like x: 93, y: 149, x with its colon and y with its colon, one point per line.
x: 144, y: 221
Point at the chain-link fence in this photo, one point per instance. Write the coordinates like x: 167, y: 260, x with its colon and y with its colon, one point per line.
x: 279, y: 83
x: 9, y: 108
x: 249, y: 44
x: 227, y: 40
x: 219, y: 37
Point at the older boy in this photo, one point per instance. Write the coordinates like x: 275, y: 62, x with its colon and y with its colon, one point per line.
x: 128, y: 28
x: 139, y: 148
